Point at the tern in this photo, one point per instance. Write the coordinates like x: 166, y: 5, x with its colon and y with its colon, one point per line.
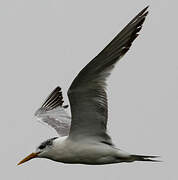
x: 83, y: 137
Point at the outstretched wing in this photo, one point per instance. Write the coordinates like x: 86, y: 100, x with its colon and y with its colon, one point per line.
x: 87, y: 94
x: 53, y: 113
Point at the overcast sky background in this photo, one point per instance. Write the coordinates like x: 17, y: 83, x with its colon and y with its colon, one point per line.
x: 45, y: 43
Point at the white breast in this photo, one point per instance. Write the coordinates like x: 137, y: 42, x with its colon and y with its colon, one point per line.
x: 67, y: 151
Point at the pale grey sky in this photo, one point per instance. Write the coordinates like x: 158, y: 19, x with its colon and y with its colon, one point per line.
x: 45, y: 43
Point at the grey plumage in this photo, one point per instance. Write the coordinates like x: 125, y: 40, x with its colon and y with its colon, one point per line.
x: 87, y: 95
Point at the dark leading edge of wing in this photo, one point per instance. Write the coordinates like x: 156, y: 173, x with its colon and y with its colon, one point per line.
x: 87, y: 94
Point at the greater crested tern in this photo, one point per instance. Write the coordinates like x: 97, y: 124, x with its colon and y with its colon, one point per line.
x: 83, y: 137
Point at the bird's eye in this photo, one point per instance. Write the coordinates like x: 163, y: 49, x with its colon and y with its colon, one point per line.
x: 42, y: 146
x: 47, y: 143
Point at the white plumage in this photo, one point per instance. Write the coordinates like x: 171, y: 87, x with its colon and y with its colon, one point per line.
x: 83, y: 137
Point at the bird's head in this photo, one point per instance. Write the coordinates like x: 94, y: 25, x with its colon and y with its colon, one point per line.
x: 43, y: 150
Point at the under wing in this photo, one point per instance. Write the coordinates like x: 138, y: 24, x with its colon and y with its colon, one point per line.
x: 53, y: 113
x: 87, y: 95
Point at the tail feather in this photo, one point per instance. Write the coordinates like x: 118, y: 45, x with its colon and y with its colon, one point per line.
x: 145, y: 158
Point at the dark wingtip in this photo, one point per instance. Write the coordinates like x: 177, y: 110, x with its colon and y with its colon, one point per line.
x: 54, y: 100
x: 137, y: 23
x: 144, y: 10
x: 146, y: 7
x: 65, y: 106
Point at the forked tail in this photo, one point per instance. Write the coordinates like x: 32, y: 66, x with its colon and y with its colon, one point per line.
x: 145, y: 158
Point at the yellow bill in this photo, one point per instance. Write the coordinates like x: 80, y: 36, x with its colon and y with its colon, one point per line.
x: 31, y: 156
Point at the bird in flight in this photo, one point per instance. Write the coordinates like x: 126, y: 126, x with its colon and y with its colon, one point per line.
x: 83, y: 138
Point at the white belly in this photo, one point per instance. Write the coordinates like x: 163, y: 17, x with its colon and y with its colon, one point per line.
x: 67, y: 151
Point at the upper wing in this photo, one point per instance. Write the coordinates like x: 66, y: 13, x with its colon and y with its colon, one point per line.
x: 53, y: 113
x: 87, y: 94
